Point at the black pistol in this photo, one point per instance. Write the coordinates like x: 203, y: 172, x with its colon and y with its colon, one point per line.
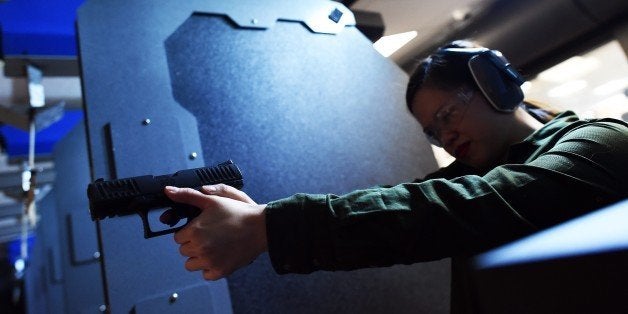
x: 139, y: 195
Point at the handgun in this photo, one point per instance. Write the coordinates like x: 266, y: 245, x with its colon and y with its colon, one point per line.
x: 140, y: 195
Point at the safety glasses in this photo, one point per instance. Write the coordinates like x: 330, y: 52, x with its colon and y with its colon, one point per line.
x: 448, y: 116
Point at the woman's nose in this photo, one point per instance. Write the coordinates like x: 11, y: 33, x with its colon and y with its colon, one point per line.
x: 448, y: 137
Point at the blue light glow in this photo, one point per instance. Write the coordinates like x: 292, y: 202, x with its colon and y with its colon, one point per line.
x: 605, y: 230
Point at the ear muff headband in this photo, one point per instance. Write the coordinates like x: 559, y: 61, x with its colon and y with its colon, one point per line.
x: 492, y: 73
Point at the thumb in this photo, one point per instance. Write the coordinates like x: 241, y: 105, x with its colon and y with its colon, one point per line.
x: 187, y: 196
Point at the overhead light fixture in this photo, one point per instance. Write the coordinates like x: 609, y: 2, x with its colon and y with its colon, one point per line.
x: 460, y: 15
x: 611, y: 87
x: 387, y: 45
x: 526, y: 86
x: 569, y: 69
x: 614, y: 106
x: 616, y: 101
x: 567, y: 89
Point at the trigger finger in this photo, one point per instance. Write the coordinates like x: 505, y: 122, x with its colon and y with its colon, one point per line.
x: 169, y: 217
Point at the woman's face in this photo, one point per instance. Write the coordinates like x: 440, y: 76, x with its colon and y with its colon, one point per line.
x: 465, y: 125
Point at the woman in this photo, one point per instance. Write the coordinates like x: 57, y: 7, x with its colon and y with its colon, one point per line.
x: 514, y: 174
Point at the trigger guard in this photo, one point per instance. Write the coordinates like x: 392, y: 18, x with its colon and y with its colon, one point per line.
x: 179, y: 211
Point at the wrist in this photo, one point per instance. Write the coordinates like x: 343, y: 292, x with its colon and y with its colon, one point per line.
x: 260, y: 229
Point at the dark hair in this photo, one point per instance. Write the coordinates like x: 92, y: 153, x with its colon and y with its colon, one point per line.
x: 442, y: 71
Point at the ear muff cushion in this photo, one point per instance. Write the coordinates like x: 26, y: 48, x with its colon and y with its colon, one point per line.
x: 500, y: 90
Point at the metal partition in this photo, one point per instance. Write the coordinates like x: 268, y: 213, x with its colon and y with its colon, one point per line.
x: 79, y: 257
x: 43, y: 279
x: 289, y: 90
x: 64, y: 275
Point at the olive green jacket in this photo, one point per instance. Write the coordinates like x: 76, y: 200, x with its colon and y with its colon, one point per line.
x: 567, y: 168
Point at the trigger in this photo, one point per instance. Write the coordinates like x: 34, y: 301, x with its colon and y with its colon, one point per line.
x: 169, y: 217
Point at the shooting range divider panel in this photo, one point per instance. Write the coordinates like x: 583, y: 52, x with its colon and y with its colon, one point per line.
x: 289, y: 90
x: 578, y: 266
x: 64, y: 274
x: 82, y: 284
x: 43, y: 278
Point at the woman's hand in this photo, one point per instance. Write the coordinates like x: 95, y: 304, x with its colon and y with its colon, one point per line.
x: 229, y: 233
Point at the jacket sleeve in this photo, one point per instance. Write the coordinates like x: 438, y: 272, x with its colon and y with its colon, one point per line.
x: 580, y: 171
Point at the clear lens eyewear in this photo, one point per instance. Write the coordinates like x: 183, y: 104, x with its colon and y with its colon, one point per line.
x: 448, y: 116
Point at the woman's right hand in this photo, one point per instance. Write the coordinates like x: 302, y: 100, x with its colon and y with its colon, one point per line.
x: 229, y: 233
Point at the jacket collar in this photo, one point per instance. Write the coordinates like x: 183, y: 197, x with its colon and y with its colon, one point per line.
x: 522, y: 151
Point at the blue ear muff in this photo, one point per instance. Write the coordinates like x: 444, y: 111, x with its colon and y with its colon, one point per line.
x: 494, y: 76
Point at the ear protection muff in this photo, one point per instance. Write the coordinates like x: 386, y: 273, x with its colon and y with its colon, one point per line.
x: 499, y: 82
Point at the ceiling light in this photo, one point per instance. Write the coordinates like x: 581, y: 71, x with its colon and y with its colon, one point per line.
x: 526, y: 86
x: 615, y: 106
x: 569, y: 69
x: 617, y: 101
x: 611, y: 87
x: 567, y: 89
x: 461, y: 14
x: 387, y: 45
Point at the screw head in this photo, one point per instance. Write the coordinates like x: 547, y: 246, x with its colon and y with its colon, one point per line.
x: 193, y: 155
x: 174, y: 297
x: 96, y: 255
x: 254, y: 21
x: 102, y: 308
x: 146, y: 121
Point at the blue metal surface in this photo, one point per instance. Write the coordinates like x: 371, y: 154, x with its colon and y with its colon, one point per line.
x: 78, y: 247
x: 43, y: 280
x: 576, y: 267
x: 600, y: 232
x: 297, y: 110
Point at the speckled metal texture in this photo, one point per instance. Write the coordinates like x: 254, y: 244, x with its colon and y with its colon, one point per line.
x: 298, y: 111
x: 79, y: 255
